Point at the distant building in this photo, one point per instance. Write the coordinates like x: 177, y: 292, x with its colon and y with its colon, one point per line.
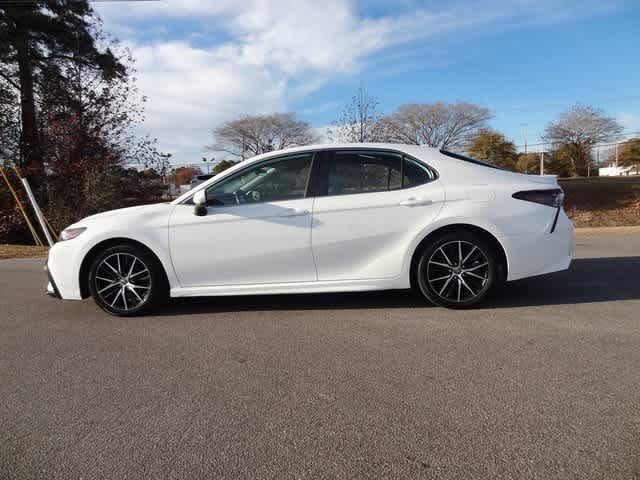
x: 177, y: 190
x: 617, y: 171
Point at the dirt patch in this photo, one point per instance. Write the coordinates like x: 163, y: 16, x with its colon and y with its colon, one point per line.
x: 602, y: 201
x: 614, y: 217
x: 22, y: 251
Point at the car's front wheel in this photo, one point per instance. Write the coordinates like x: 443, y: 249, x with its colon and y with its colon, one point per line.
x: 126, y: 280
x: 457, y: 270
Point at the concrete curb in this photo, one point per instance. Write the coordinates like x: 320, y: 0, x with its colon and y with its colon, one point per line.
x: 601, y: 230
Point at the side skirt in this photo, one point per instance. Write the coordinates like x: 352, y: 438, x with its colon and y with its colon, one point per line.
x: 297, y: 287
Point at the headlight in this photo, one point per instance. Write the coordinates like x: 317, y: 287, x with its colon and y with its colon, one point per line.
x: 70, y: 233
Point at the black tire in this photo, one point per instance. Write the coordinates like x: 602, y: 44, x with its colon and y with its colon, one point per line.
x: 140, y: 286
x: 455, y: 285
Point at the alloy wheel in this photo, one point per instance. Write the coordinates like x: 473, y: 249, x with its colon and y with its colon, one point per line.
x: 123, y: 281
x: 458, y: 271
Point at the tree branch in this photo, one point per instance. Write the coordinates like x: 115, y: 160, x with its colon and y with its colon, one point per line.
x: 10, y: 81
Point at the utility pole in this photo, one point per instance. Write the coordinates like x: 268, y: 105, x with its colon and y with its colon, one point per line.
x: 524, y: 133
x: 542, y: 163
x: 617, y: 157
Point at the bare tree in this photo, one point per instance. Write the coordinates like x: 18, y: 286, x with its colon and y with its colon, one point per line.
x: 441, y: 125
x: 360, y: 122
x: 580, y: 128
x: 253, y: 135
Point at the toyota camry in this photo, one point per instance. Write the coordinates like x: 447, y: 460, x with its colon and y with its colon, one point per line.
x: 337, y: 218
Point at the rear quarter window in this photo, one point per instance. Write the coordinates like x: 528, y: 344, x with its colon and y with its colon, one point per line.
x: 415, y: 173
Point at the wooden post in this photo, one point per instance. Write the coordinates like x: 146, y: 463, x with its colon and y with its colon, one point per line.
x: 33, y: 231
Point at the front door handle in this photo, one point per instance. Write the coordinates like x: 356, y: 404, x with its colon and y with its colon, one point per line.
x: 415, y: 202
x: 295, y: 212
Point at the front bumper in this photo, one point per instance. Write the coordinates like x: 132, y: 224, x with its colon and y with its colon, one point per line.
x: 52, y: 289
x: 63, y: 267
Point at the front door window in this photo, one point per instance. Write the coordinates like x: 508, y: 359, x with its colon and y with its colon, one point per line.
x: 270, y: 181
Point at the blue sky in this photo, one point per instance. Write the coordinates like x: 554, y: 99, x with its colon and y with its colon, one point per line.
x: 203, y: 62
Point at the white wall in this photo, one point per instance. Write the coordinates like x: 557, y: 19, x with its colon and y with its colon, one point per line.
x: 616, y: 171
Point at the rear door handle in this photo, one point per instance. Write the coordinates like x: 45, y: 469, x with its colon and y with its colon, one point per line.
x: 415, y: 202
x: 295, y: 212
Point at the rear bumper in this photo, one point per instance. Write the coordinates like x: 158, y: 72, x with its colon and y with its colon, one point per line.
x: 529, y: 255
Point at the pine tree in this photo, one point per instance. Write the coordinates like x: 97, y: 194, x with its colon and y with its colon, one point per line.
x: 39, y: 35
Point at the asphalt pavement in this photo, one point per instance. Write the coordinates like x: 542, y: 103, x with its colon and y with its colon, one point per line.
x: 542, y: 382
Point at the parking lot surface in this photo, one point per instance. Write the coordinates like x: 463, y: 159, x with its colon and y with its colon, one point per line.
x: 542, y: 382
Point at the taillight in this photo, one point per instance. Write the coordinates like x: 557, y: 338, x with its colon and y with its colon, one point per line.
x: 550, y: 197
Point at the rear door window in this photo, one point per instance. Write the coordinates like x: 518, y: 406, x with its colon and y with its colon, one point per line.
x: 352, y: 172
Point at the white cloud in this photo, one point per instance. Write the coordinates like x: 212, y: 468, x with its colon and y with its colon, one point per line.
x: 191, y: 90
x: 630, y: 121
x: 322, y: 133
x: 271, y: 52
x: 167, y: 8
x: 277, y: 53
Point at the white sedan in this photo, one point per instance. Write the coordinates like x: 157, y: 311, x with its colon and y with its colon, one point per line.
x: 336, y: 218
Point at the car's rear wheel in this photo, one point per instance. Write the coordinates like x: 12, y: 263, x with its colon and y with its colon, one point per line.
x: 457, y: 270
x: 126, y: 280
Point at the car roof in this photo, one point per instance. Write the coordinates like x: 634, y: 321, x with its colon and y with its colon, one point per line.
x: 343, y: 146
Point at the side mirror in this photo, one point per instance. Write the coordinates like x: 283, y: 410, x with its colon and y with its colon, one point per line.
x: 200, y: 201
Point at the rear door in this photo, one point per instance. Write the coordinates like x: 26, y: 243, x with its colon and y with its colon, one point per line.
x: 369, y: 206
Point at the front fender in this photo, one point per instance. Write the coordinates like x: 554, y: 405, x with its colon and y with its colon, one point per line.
x: 149, y: 228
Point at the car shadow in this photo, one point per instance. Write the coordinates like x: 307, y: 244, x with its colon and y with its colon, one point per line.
x: 588, y: 280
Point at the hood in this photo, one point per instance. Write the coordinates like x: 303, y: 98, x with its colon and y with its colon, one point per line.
x: 128, y: 213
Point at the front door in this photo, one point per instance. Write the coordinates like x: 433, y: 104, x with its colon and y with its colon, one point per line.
x: 257, y: 228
